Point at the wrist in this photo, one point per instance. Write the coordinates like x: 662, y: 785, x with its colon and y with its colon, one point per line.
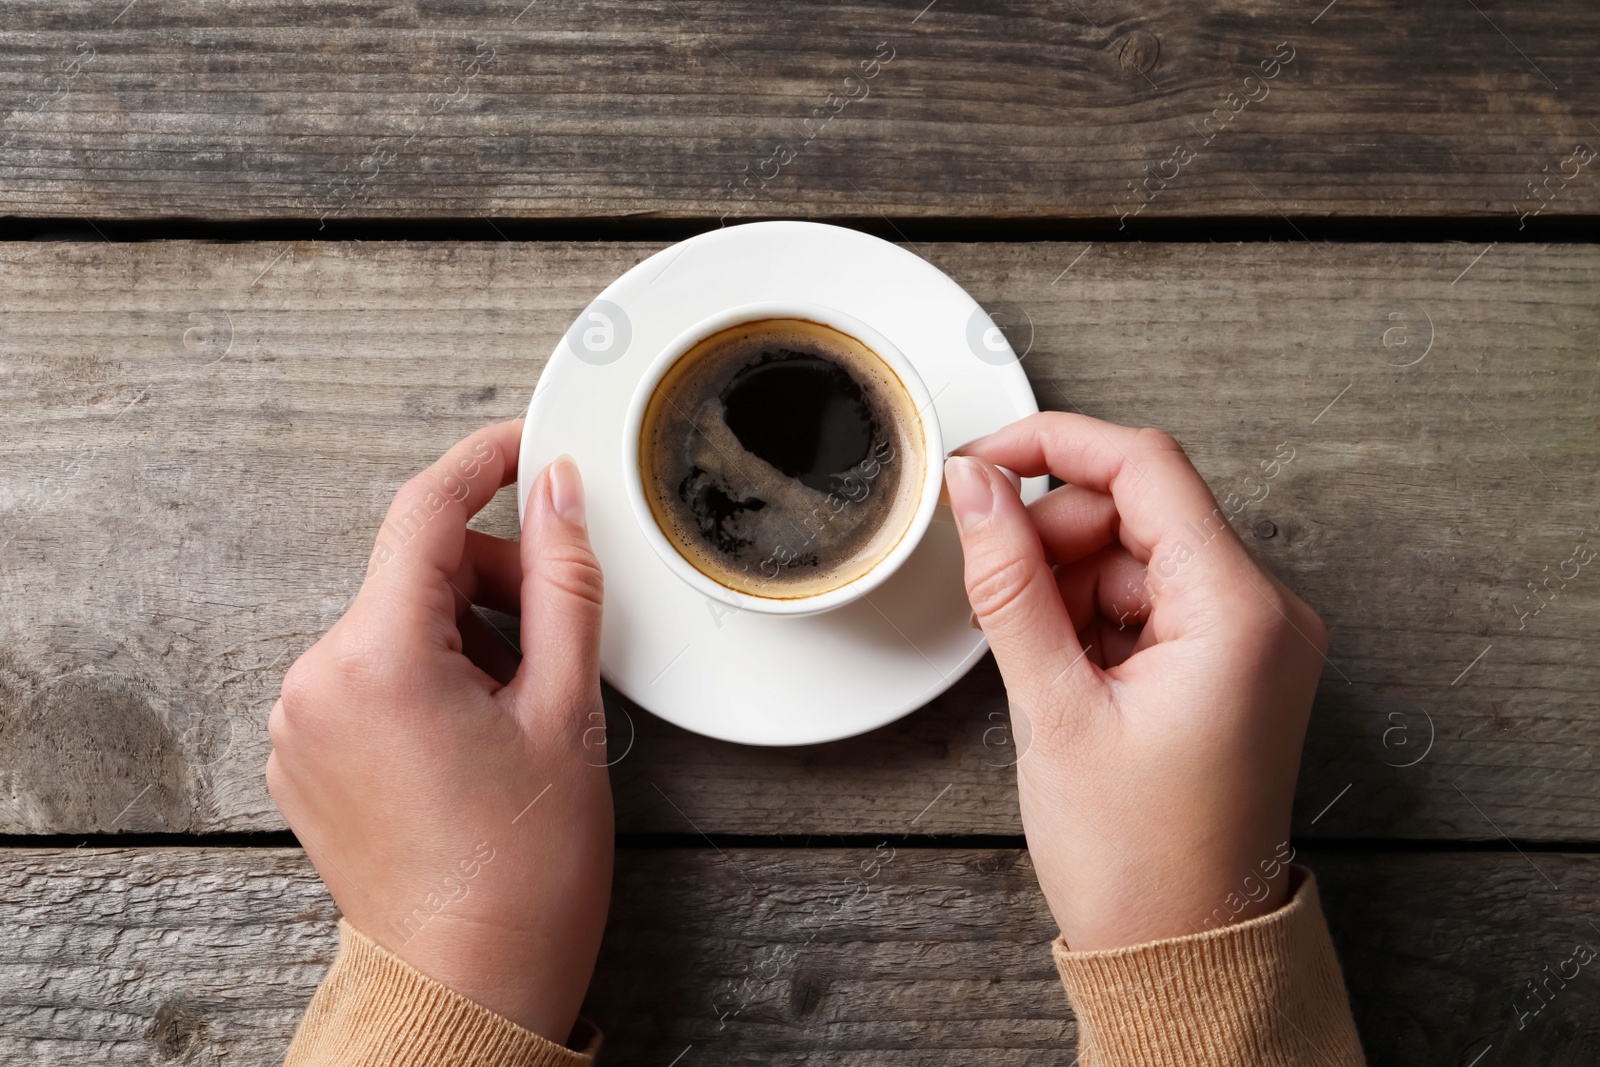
x: 1176, y: 900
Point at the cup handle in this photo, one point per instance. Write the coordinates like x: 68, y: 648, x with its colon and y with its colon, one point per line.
x: 942, y: 512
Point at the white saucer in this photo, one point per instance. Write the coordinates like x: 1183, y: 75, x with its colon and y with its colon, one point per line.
x: 739, y: 675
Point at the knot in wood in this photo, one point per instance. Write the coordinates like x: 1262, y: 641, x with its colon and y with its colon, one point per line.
x: 177, y: 1029
x: 1137, y: 52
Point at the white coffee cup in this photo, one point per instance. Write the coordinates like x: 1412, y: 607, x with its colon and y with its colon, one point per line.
x: 927, y: 424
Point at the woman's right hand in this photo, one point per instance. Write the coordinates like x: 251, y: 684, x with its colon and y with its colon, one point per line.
x: 1160, y: 680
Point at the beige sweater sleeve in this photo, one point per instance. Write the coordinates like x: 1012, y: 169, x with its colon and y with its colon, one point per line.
x: 375, y: 1009
x: 1267, y: 993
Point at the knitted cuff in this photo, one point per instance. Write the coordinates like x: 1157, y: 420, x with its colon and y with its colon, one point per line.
x: 1267, y: 991
x: 375, y: 1009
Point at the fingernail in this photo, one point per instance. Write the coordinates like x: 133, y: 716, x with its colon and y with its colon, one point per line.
x: 566, y: 489
x: 971, y: 498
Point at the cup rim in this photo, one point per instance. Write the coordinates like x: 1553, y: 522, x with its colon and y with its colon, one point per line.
x: 824, y: 315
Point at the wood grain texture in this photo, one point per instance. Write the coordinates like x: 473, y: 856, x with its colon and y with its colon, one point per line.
x: 200, y: 440
x: 362, y: 108
x: 207, y: 956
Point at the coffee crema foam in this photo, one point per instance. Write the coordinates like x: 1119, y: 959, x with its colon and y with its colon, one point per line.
x: 782, y: 458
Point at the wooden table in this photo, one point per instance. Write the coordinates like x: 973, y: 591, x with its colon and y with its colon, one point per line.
x: 259, y: 254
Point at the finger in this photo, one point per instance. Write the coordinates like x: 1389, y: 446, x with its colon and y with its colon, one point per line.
x: 1168, y: 517
x: 489, y: 649
x: 561, y: 596
x: 1109, y: 584
x: 1009, y: 581
x: 420, y: 544
x: 1073, y: 522
x: 490, y: 574
x: 1154, y: 486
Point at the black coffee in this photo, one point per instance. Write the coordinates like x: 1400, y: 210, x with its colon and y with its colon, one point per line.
x: 782, y: 458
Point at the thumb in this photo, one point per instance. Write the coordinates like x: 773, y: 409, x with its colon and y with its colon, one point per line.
x: 561, y: 596
x: 1009, y: 581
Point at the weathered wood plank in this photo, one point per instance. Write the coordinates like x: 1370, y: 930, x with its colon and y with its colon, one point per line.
x: 362, y: 108
x: 200, y: 441
x: 770, y: 956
